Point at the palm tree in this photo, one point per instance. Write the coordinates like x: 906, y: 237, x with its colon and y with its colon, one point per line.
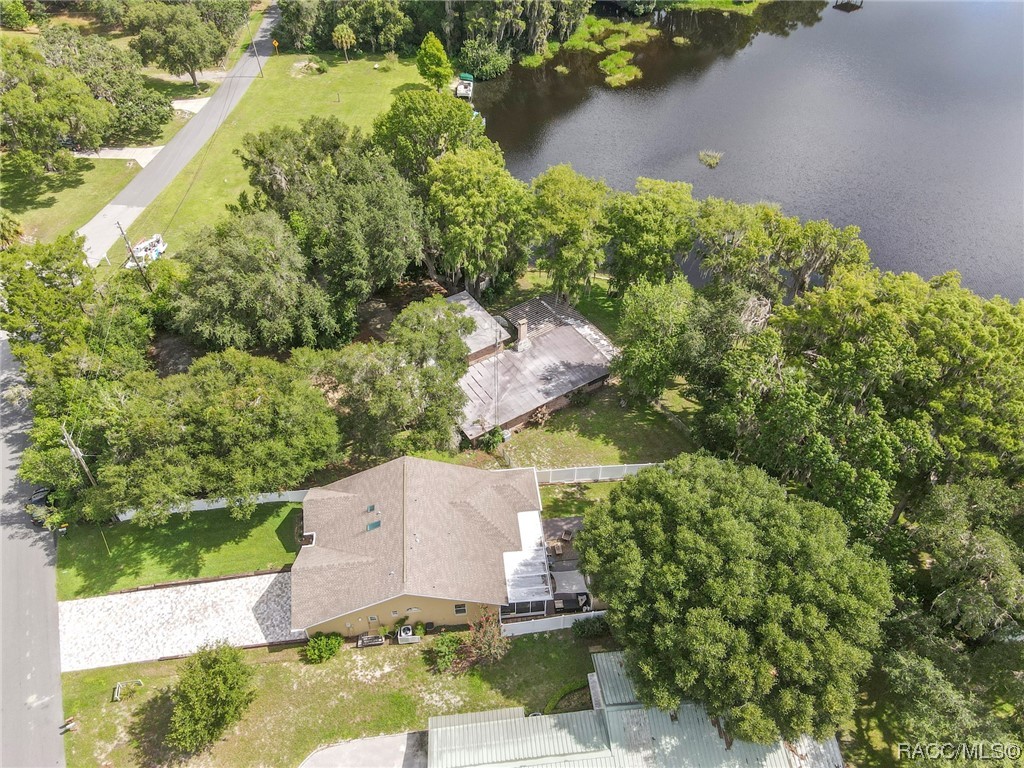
x: 343, y: 37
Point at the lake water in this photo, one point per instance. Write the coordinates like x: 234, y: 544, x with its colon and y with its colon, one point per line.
x: 904, y: 118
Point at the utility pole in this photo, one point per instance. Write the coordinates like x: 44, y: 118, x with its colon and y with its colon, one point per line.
x: 252, y: 43
x: 76, y: 453
x: 133, y: 257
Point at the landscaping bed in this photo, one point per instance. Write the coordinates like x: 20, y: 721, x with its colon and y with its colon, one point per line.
x: 98, y: 559
x: 301, y: 706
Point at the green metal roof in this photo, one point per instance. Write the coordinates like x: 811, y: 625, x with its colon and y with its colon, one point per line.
x: 466, y: 740
x: 446, y: 721
x: 616, y: 687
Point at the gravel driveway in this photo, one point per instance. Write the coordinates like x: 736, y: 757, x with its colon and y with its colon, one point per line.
x: 141, y: 626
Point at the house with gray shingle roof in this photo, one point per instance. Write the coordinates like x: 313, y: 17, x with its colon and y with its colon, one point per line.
x: 430, y: 541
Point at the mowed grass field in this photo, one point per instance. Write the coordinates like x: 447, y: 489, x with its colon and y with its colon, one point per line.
x: 61, y: 204
x: 353, y: 92
x: 300, y: 706
x: 94, y: 559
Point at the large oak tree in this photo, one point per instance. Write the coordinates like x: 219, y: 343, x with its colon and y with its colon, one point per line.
x: 726, y: 590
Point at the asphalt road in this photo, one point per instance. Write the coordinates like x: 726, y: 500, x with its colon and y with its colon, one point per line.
x: 101, y: 232
x: 30, y: 693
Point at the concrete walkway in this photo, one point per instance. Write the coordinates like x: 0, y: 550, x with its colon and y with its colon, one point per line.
x: 101, y: 232
x: 175, y: 621
x: 141, y: 155
x: 402, y: 750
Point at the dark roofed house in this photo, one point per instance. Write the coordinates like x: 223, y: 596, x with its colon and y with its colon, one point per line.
x: 427, y: 540
x: 557, y: 352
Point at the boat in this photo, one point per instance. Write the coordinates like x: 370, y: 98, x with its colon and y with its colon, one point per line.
x: 464, y: 88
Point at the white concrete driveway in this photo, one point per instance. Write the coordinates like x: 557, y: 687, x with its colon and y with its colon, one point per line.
x: 403, y: 750
x: 175, y: 621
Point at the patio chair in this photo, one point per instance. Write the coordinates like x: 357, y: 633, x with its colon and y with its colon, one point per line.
x: 567, y: 535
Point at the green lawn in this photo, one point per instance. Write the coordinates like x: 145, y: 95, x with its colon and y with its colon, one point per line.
x: 203, y: 544
x: 600, y: 432
x: 300, y: 707
x: 354, y: 92
x: 573, y: 499
x: 61, y: 204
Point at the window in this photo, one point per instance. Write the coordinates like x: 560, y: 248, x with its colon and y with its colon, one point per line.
x: 394, y: 613
x: 372, y: 618
x: 460, y: 609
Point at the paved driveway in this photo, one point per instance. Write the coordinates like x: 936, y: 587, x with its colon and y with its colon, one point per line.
x: 175, y: 621
x: 403, y: 750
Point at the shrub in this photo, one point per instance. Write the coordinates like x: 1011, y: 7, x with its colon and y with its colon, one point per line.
x: 213, y: 691
x: 562, y: 69
x: 419, y: 629
x: 322, y: 647
x: 316, y: 64
x: 486, y: 642
x: 592, y: 626
x: 447, y: 651
x: 491, y: 440
x: 13, y: 14
x: 484, y: 59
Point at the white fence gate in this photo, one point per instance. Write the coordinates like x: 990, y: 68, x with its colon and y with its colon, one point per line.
x: 549, y: 624
x: 588, y: 474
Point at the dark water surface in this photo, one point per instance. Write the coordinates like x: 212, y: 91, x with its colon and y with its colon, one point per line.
x: 904, y: 118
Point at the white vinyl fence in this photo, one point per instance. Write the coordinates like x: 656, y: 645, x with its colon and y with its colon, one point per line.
x: 201, y: 505
x: 588, y: 474
x: 549, y: 624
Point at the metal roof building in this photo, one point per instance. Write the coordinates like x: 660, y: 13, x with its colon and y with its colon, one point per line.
x: 618, y: 733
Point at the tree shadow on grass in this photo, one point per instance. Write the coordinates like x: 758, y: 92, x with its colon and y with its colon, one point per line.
x: 148, y: 732
x: 22, y: 192
x: 179, y: 547
x: 405, y: 87
x: 177, y: 89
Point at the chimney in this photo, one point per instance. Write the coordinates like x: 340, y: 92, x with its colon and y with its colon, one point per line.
x: 522, y: 339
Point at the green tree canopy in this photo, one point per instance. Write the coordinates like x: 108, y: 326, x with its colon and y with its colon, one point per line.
x: 44, y: 289
x: 658, y: 334
x: 482, y: 214
x: 402, y: 395
x: 872, y: 390
x: 649, y: 232
x: 114, y: 75
x: 423, y: 125
x: 973, y: 533
x: 725, y: 590
x: 232, y: 427
x: 45, y: 110
x: 355, y: 218
x: 432, y: 62
x: 568, y: 208
x: 213, y: 691
x: 248, y: 288
x: 176, y: 37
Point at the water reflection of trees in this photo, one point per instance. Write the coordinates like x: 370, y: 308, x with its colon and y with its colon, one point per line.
x: 520, y: 104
